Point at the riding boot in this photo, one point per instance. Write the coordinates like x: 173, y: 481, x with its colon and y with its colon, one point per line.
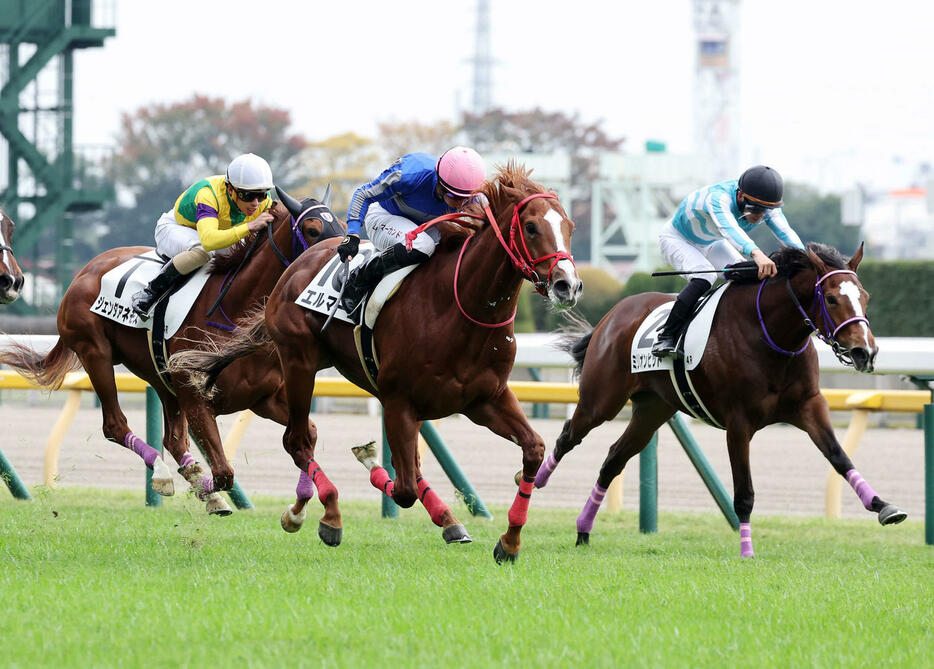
x: 167, y: 278
x: 667, y: 344
x: 365, y: 279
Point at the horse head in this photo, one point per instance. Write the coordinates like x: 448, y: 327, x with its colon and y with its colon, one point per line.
x: 539, y: 234
x: 313, y: 218
x: 841, y: 304
x: 11, y: 276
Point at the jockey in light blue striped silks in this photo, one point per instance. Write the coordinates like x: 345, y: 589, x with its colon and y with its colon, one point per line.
x: 709, y: 232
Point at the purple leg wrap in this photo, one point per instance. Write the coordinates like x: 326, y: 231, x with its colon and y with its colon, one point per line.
x: 187, y: 459
x: 863, y: 489
x: 141, y: 448
x: 589, y: 512
x: 305, y: 488
x: 544, y: 472
x: 745, y: 540
x: 207, y: 484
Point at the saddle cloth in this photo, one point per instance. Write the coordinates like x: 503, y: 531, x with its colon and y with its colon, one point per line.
x: 693, y: 341
x: 122, y: 282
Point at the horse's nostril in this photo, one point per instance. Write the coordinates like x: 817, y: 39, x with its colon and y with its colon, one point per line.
x: 562, y: 288
x: 18, y: 284
x: 6, y: 281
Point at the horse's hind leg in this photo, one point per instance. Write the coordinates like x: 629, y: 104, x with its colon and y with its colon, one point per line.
x: 737, y: 442
x: 648, y: 413
x: 97, y: 360
x: 815, y: 420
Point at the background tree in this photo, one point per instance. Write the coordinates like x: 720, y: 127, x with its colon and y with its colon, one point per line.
x: 345, y: 162
x: 397, y: 139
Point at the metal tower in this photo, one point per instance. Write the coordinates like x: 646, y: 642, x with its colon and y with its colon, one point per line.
x: 482, y: 61
x: 38, y: 39
x: 716, y: 85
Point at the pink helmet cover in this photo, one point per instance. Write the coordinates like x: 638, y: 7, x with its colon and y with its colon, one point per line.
x: 461, y: 170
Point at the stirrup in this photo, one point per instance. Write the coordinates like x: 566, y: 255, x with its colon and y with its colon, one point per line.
x: 666, y: 347
x: 142, y: 305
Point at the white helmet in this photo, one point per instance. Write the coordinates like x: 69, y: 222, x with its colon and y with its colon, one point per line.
x: 249, y: 172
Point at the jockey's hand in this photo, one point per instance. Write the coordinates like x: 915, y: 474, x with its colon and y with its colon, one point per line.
x: 764, y: 263
x: 348, y: 247
x: 260, y: 221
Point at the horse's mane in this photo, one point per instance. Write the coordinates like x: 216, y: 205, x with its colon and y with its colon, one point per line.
x: 226, y: 262
x: 791, y: 260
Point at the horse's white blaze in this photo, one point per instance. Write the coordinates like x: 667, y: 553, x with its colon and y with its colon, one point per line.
x: 554, y: 218
x: 6, y: 258
x: 851, y: 290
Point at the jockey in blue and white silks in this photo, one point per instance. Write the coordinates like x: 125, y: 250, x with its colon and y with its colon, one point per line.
x: 709, y: 231
x: 415, y: 189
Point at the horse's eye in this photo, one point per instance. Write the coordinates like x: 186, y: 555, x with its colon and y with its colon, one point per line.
x: 531, y: 228
x: 832, y: 300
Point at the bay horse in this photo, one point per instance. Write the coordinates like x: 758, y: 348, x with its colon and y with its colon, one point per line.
x: 446, y: 344
x: 248, y: 272
x: 758, y: 369
x: 11, y: 276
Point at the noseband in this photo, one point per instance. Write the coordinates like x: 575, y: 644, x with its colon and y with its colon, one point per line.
x: 829, y: 336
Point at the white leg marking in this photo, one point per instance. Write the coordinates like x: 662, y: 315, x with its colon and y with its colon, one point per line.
x: 850, y: 289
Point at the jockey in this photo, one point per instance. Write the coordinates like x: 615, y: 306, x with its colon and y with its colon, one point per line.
x: 213, y: 214
x: 413, y: 190
x: 709, y: 232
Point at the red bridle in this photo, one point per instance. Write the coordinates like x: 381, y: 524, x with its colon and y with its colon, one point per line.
x: 520, y: 257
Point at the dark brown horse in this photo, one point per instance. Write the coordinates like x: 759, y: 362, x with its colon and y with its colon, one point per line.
x: 11, y: 276
x: 445, y: 342
x: 255, y: 382
x: 756, y: 370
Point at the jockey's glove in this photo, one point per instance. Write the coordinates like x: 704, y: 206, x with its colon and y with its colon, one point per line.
x: 348, y: 247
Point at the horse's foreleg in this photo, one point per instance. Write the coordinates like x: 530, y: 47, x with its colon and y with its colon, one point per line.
x: 815, y: 420
x: 737, y: 441
x: 504, y: 416
x: 204, y: 427
x: 647, y: 415
x: 402, y: 434
x: 98, y: 363
x: 299, y: 441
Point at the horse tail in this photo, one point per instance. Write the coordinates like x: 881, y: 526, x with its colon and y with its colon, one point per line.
x: 47, y: 370
x: 203, y: 365
x: 575, y: 338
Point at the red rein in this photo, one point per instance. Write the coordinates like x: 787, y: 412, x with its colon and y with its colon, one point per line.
x: 519, y: 256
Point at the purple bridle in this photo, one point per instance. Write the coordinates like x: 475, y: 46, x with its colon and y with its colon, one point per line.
x: 830, y: 336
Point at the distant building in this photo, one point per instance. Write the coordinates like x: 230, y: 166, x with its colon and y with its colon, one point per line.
x: 899, y: 224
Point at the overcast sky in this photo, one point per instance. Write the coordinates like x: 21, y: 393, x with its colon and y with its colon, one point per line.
x: 830, y: 91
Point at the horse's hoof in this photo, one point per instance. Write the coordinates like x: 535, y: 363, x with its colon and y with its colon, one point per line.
x: 292, y: 522
x: 330, y: 535
x: 891, y: 514
x: 162, y: 481
x: 583, y: 539
x: 366, y: 454
x: 217, y: 505
x: 500, y: 554
x: 456, y: 534
x: 518, y: 477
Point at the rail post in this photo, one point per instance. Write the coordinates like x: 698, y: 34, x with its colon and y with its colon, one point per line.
x: 648, y: 487
x: 453, y: 471
x: 154, y: 439
x: 12, y: 479
x: 390, y: 508
x: 237, y: 496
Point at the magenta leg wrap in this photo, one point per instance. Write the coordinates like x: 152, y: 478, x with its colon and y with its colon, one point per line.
x: 745, y: 540
x: 321, y: 481
x: 863, y: 489
x: 379, y: 477
x: 519, y: 511
x: 187, y: 459
x: 305, y: 488
x: 589, y: 512
x: 207, y: 484
x: 141, y: 448
x: 544, y: 472
x: 430, y: 500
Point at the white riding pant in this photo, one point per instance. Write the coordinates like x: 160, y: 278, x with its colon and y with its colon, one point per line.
x: 173, y: 238
x: 684, y: 255
x: 385, y: 230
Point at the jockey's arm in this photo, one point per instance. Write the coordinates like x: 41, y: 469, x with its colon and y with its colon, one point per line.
x: 778, y: 225
x: 718, y: 211
x: 378, y: 190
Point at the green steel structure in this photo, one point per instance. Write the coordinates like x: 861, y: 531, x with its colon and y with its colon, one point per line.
x: 38, y: 39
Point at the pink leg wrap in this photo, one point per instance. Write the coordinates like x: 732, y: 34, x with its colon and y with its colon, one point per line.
x: 141, y: 448
x: 430, y: 500
x: 544, y: 472
x: 745, y: 540
x: 863, y: 489
x: 519, y: 511
x: 305, y: 488
x: 207, y: 484
x: 379, y: 477
x: 321, y: 481
x: 186, y: 460
x: 591, y: 506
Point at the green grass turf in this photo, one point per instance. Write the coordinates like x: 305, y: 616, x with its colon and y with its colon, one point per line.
x: 93, y: 578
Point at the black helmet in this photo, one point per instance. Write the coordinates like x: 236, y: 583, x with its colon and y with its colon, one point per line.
x: 762, y: 186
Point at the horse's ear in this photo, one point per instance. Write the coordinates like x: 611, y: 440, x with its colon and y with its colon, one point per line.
x: 857, y: 257
x: 293, y: 205
x: 326, y: 200
x: 817, y: 262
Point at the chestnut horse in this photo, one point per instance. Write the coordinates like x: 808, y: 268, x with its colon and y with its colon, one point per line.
x: 255, y: 382
x: 446, y: 345
x: 11, y: 276
x: 758, y: 369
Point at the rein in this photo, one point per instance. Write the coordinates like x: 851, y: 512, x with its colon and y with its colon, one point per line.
x: 830, y: 336
x: 525, y: 263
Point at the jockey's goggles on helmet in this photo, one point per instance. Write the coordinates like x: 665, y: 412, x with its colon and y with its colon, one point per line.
x: 461, y: 199
x: 250, y: 195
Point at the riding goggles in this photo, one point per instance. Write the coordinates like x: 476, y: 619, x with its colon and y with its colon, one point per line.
x: 251, y: 195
